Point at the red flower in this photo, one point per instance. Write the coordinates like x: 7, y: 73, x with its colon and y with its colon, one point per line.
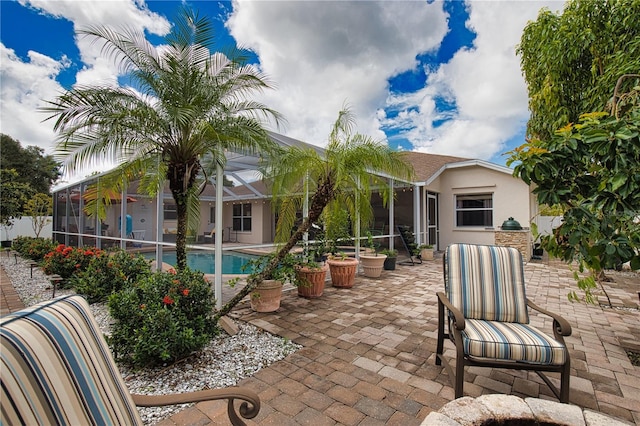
x: 167, y: 300
x: 172, y: 271
x: 185, y: 292
x: 77, y: 266
x: 176, y: 281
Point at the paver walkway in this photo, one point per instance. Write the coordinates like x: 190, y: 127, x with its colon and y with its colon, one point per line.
x: 368, y: 356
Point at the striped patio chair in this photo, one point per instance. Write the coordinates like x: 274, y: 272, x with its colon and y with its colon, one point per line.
x: 56, y: 368
x: 488, y: 318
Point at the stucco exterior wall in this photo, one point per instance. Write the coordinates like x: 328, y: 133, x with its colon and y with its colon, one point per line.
x: 510, y: 199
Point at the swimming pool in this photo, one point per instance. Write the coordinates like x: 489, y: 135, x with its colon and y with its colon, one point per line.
x: 205, y: 261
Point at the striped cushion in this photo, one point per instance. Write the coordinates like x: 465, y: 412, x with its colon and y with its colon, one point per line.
x: 511, y: 341
x: 56, y: 368
x: 486, y: 282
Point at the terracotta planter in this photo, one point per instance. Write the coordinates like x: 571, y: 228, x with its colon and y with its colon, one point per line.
x: 426, y: 254
x: 266, y: 296
x: 312, y: 279
x: 343, y: 272
x: 372, y: 264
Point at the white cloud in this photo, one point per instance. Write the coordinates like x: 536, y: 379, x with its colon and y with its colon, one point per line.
x: 321, y: 54
x: 112, y: 13
x: 484, y: 82
x: 24, y: 85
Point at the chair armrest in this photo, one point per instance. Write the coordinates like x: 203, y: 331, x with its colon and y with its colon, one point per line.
x: 249, y: 408
x: 562, y: 325
x: 457, y: 315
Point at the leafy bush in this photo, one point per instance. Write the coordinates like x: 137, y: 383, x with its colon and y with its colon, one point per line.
x: 109, y: 272
x: 33, y: 248
x: 67, y: 261
x: 162, y: 318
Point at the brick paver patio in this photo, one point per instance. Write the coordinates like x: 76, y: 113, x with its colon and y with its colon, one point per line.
x: 368, y: 356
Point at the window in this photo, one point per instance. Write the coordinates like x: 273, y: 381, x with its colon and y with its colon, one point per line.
x: 212, y: 214
x: 474, y: 210
x: 242, y: 217
x: 170, y: 212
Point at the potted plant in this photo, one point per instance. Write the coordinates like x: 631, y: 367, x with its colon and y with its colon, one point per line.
x: 266, y: 296
x: 343, y: 270
x: 390, y: 261
x: 310, y: 278
x: 426, y: 251
x: 372, y: 262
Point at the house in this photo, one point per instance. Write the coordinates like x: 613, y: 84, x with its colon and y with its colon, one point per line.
x: 452, y: 200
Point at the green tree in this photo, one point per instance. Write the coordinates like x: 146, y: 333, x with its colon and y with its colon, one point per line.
x: 572, y: 61
x: 591, y: 169
x: 39, y: 207
x: 583, y: 161
x: 185, y: 106
x: 34, y: 168
x: 342, y: 178
x: 13, y: 196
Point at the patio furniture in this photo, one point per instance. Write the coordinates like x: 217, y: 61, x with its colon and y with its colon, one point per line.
x: 488, y: 318
x: 209, y: 235
x: 56, y: 368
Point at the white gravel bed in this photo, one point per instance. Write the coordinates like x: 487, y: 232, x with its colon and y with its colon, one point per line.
x: 223, y: 362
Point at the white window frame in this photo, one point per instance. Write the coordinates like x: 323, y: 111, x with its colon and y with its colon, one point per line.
x: 483, y: 196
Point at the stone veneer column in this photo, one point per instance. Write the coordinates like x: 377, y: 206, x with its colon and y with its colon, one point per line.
x: 517, y: 239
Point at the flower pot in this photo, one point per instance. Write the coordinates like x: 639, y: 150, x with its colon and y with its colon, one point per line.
x: 426, y: 254
x: 312, y: 285
x: 266, y: 296
x: 389, y: 264
x: 372, y: 264
x: 343, y: 272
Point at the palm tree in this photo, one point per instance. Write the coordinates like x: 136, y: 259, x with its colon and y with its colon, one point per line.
x: 185, y: 105
x: 343, y: 178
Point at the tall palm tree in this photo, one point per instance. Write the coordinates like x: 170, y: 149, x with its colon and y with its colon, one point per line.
x: 342, y: 178
x: 184, y: 104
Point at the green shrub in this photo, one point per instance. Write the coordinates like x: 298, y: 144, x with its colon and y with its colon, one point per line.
x: 67, y: 261
x: 34, y: 248
x: 109, y: 272
x: 162, y: 318
x: 20, y: 244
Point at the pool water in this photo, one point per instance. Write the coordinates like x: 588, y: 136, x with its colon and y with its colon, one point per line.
x: 205, y: 262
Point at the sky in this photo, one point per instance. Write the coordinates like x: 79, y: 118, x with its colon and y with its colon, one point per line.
x: 440, y: 77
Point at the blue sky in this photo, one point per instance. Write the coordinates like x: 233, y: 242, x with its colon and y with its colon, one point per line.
x: 438, y: 76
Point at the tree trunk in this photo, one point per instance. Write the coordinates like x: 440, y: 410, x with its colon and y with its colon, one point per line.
x: 181, y: 235
x: 319, y: 201
x: 181, y: 177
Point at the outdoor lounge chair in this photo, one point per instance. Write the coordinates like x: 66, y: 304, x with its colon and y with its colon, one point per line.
x: 56, y: 368
x: 488, y: 319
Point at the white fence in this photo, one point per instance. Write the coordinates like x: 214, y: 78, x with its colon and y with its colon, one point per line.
x: 23, y: 228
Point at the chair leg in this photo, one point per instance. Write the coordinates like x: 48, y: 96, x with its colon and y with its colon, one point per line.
x: 440, y: 344
x: 459, y: 388
x: 564, y: 382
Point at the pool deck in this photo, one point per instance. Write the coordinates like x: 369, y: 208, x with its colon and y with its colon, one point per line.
x: 368, y: 352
